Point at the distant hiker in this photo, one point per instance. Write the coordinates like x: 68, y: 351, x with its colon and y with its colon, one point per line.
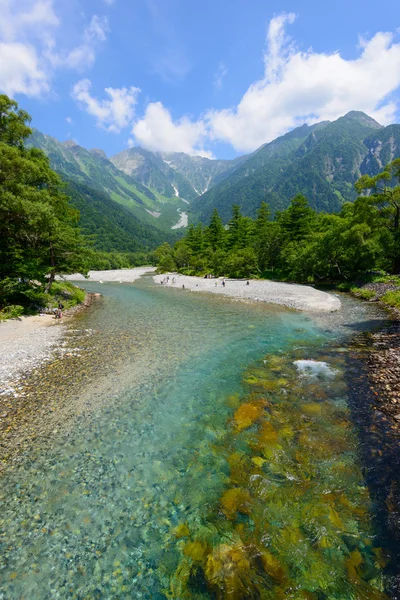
x: 183, y: 286
x: 248, y: 283
x: 223, y: 283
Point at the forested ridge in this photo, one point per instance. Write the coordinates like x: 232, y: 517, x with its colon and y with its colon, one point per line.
x: 322, y: 162
x: 49, y: 226
x: 299, y: 243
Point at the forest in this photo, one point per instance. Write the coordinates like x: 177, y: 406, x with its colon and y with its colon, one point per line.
x: 42, y: 232
x: 299, y: 244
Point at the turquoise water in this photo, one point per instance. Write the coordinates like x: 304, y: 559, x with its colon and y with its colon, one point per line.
x: 96, y: 516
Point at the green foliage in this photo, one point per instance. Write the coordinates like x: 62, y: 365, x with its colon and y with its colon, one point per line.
x: 13, y: 311
x: 299, y: 244
x: 39, y: 234
x: 321, y: 162
x: 364, y: 294
x: 392, y: 299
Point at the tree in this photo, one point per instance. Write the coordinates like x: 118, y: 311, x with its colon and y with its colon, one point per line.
x: 266, y: 238
x: 297, y: 220
x: 387, y: 199
x: 239, y: 229
x: 39, y: 232
x: 216, y: 231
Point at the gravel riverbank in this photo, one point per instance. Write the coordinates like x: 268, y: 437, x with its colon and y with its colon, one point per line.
x: 24, y: 344
x: 300, y: 297
x: 113, y: 275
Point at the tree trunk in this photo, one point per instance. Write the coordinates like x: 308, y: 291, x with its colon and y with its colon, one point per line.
x: 53, y: 271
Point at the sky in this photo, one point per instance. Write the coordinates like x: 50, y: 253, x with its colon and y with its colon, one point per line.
x: 216, y: 78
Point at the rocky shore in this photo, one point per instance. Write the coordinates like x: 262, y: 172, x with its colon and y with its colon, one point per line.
x: 384, y: 370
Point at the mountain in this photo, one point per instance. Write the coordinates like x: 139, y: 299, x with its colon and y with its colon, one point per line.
x: 93, y: 169
x: 110, y: 226
x: 247, y: 182
x: 322, y: 162
x: 171, y: 174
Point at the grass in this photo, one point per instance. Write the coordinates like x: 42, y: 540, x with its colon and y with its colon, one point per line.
x: 392, y: 299
x: 361, y: 293
x: 34, y: 299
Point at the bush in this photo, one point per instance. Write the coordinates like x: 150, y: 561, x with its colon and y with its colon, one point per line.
x: 392, y: 299
x: 14, y: 311
x: 364, y: 294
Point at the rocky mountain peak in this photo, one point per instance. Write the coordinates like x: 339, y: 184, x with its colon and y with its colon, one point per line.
x: 361, y: 117
x: 98, y: 152
x: 69, y: 144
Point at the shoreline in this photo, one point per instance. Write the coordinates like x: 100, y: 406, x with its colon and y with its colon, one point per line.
x: 110, y: 276
x: 299, y: 297
x: 26, y: 344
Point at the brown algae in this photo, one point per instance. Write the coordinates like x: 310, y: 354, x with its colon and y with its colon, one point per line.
x: 293, y: 519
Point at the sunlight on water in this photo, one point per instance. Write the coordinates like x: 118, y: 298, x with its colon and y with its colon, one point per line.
x: 212, y: 469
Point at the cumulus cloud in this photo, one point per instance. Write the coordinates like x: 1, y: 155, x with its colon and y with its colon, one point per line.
x: 20, y: 70
x: 29, y: 53
x: 22, y: 24
x: 296, y: 87
x: 300, y: 87
x: 113, y: 113
x: 157, y: 131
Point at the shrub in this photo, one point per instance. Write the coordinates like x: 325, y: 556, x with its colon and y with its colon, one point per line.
x: 364, y: 294
x: 392, y: 299
x: 14, y: 311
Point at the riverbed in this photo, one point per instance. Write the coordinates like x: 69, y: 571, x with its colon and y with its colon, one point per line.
x: 199, y: 448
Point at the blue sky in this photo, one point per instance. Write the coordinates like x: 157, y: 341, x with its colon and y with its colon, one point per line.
x: 211, y: 77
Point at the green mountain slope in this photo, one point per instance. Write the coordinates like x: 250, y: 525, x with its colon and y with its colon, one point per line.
x: 93, y: 169
x: 110, y: 226
x: 322, y: 162
x: 247, y: 182
x: 200, y: 172
x: 172, y: 173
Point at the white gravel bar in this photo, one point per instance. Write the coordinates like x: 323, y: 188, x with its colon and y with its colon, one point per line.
x: 24, y: 345
x: 116, y: 275
x: 300, y: 297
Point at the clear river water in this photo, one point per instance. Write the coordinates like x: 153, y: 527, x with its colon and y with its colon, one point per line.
x: 218, y: 451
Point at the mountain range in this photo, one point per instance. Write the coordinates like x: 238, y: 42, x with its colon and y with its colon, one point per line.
x: 156, y: 192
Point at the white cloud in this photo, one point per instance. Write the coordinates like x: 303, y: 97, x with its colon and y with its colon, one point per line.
x: 29, y: 53
x: 157, y: 131
x: 300, y: 87
x: 20, y: 71
x: 112, y: 114
x: 219, y: 76
x: 84, y: 54
x: 22, y: 24
x: 20, y: 17
x: 69, y: 120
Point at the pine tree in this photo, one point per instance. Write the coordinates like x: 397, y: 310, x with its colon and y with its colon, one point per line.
x: 216, y: 231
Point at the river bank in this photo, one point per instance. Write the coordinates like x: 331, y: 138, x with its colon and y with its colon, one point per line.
x: 300, y: 297
x: 111, y: 276
x: 114, y: 502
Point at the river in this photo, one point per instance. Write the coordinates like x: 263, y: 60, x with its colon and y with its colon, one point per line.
x: 217, y: 450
